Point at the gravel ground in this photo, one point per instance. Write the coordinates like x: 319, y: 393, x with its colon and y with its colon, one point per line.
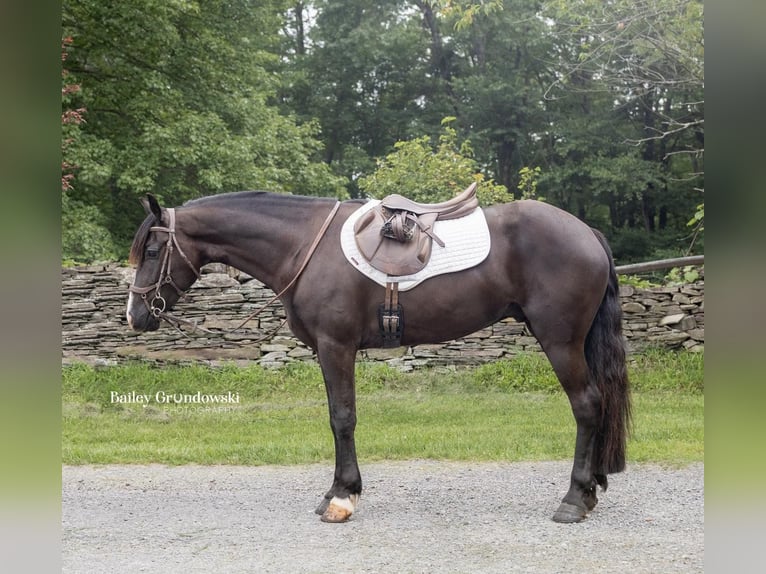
x: 417, y: 516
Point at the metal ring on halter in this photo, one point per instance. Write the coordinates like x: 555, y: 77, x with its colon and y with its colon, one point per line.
x: 156, y: 310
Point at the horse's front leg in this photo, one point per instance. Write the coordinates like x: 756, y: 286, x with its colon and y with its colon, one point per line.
x: 337, y: 362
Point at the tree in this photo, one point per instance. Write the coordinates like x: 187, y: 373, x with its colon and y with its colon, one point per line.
x: 647, y: 57
x: 601, y: 101
x: 596, y: 106
x: 181, y: 103
x: 428, y: 174
x: 84, y: 236
x: 498, y: 78
x: 71, y: 118
x: 359, y: 70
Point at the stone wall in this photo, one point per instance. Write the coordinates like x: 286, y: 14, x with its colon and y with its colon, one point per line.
x: 95, y: 330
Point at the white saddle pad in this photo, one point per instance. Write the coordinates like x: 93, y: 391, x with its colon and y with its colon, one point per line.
x: 466, y: 244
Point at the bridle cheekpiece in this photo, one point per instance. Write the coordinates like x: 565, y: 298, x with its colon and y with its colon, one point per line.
x: 157, y: 305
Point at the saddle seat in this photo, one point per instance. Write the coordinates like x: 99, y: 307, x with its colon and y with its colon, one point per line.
x: 459, y: 206
x: 396, y: 237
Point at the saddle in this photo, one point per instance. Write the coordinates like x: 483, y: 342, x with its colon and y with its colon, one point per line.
x: 396, y: 237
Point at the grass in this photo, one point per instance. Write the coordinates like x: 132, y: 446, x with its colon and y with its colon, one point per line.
x: 509, y: 411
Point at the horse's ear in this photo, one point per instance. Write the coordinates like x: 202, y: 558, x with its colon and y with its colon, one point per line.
x: 152, y: 206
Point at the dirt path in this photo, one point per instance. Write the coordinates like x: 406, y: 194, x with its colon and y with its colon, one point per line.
x: 417, y: 516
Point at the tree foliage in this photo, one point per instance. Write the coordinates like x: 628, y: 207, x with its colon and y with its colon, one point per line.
x: 598, y: 107
x: 179, y: 98
x: 644, y: 59
x: 425, y: 174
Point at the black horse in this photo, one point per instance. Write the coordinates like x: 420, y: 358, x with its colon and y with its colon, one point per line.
x: 545, y: 267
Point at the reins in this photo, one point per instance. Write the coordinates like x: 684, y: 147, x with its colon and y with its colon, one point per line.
x: 306, y: 260
x: 157, y: 305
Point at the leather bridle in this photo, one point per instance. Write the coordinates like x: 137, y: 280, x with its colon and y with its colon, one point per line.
x: 157, y: 305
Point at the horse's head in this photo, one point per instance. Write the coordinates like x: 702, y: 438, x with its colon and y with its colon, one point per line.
x: 164, y: 270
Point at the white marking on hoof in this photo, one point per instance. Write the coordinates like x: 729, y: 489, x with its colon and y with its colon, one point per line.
x: 340, y: 509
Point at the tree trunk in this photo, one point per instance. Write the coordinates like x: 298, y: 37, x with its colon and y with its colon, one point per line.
x: 663, y: 218
x: 504, y: 162
x: 300, y: 33
x: 648, y: 210
x: 440, y: 56
x: 647, y: 197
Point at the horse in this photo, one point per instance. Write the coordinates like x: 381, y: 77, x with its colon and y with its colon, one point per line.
x: 545, y: 268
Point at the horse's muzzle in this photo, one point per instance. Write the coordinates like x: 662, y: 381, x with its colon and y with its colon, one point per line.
x: 143, y: 323
x: 139, y: 319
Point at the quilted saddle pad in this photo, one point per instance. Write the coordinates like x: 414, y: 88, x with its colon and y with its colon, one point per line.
x: 466, y: 244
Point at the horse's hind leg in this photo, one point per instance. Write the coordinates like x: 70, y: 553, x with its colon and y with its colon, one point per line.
x: 337, y: 362
x: 568, y: 361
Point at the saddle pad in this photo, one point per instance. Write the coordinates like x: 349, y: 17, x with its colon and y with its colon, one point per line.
x: 466, y: 244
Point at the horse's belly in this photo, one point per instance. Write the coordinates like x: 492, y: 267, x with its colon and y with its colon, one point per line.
x: 451, y: 307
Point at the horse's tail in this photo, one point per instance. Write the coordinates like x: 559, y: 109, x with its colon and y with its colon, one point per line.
x: 605, y: 355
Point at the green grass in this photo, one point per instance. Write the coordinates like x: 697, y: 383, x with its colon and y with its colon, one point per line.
x: 509, y: 411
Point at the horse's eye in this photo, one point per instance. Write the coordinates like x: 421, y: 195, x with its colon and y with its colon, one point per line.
x: 152, y: 252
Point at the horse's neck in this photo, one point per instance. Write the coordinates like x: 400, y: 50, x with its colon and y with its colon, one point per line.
x: 260, y: 242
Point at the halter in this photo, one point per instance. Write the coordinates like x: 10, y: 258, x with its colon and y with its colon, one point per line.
x: 158, y: 304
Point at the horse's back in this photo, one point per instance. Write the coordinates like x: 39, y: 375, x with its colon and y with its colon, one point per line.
x: 539, y: 255
x: 553, y: 258
x: 539, y: 232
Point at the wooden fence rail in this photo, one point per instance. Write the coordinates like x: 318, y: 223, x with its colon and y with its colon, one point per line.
x: 660, y: 264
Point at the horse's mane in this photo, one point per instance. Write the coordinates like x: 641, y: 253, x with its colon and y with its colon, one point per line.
x: 233, y: 195
x: 136, y: 255
x: 249, y: 197
x: 139, y: 241
x: 243, y: 199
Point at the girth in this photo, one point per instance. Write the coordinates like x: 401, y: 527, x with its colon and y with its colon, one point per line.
x: 391, y: 317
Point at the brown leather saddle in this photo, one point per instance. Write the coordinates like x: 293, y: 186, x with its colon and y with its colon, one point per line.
x: 397, y: 235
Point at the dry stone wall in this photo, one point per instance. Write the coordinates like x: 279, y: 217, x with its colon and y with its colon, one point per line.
x: 95, y: 330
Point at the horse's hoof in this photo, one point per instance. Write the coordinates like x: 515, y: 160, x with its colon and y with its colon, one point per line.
x: 340, y: 509
x: 322, y: 506
x: 569, y: 513
x: 590, y: 499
